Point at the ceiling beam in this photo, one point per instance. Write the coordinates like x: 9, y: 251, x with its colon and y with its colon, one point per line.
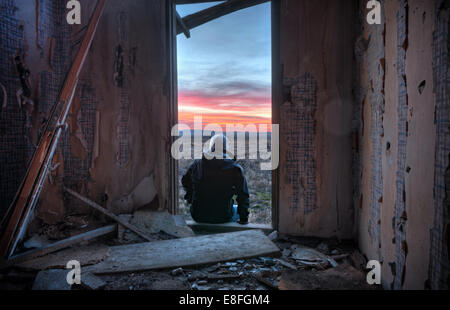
x: 209, y: 14
x: 182, y: 26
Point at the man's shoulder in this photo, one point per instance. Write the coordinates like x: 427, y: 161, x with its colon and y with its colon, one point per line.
x: 233, y: 164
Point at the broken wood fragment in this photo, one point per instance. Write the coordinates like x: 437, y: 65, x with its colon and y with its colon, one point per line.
x: 264, y: 281
x: 216, y: 277
x: 58, y: 245
x: 109, y: 214
x: 85, y: 255
x: 340, y: 256
x: 286, y: 264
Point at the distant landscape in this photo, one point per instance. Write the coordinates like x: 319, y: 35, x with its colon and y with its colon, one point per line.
x: 259, y: 185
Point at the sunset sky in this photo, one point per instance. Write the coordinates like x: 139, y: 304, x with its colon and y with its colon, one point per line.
x: 224, y: 69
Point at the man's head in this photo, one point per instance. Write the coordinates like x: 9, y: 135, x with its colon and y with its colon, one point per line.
x: 218, y: 147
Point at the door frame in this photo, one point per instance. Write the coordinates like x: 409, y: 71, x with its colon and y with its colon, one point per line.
x: 277, y: 98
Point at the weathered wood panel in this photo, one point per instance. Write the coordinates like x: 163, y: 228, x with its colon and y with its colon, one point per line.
x: 130, y: 71
x: 398, y: 143
x: 189, y: 251
x: 315, y: 115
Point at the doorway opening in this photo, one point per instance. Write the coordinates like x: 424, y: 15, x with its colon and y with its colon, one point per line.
x: 225, y: 78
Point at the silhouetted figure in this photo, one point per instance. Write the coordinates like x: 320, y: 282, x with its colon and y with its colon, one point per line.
x: 211, y: 183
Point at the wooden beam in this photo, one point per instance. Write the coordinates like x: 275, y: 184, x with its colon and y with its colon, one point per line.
x: 19, y: 213
x: 109, y: 214
x: 58, y: 245
x: 195, y: 1
x: 181, y: 24
x: 207, y: 15
x: 228, y: 227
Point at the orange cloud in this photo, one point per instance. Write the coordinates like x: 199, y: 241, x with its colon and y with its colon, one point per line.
x: 232, y: 109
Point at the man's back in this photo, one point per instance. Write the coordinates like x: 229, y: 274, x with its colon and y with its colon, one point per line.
x: 210, y: 186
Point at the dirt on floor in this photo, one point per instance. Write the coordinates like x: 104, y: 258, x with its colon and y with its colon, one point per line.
x: 305, y: 264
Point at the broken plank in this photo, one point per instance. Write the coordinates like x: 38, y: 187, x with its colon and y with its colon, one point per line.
x: 286, y: 264
x: 58, y: 245
x: 228, y: 227
x: 190, y: 251
x: 86, y: 255
x: 109, y: 214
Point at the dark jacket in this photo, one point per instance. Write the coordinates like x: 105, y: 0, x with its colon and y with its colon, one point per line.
x: 210, y: 186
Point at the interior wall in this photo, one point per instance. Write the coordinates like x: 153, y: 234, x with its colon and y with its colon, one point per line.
x: 129, y: 70
x: 36, y: 34
x: 122, y: 112
x: 402, y: 144
x: 314, y: 109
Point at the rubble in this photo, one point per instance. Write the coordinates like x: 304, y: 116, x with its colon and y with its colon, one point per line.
x: 273, y: 235
x: 142, y: 195
x: 91, y: 282
x: 311, y: 257
x: 358, y: 260
x: 177, y: 271
x: 53, y: 279
x: 343, y: 277
x: 36, y: 241
x: 154, y: 222
x: 299, y: 267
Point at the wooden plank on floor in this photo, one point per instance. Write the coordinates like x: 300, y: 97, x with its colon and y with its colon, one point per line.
x: 58, y: 245
x: 228, y: 227
x: 191, y: 251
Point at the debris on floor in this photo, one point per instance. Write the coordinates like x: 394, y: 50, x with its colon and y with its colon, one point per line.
x: 92, y: 282
x: 142, y: 195
x: 86, y: 255
x: 273, y: 235
x: 53, y: 279
x: 311, y: 257
x: 178, y: 259
x: 155, y: 222
x: 36, y: 241
x: 300, y: 266
x: 343, y: 277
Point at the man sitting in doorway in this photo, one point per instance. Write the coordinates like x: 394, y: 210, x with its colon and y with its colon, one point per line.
x: 210, y: 184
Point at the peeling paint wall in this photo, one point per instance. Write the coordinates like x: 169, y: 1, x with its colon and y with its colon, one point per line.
x: 439, y: 269
x: 396, y: 168
x: 121, y: 115
x: 316, y: 60
x: 129, y: 69
x: 35, y: 34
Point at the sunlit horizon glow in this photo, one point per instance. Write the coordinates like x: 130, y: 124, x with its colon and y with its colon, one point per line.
x: 224, y: 69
